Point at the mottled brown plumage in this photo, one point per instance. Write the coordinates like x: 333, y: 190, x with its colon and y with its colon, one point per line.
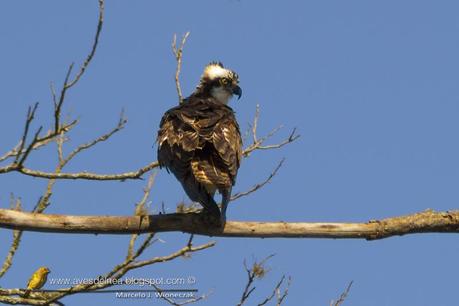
x: 200, y: 143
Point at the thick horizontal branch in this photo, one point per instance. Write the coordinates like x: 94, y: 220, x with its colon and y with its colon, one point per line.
x: 424, y: 222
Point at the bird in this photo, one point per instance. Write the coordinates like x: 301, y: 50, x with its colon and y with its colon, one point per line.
x: 37, y: 280
x: 199, y: 140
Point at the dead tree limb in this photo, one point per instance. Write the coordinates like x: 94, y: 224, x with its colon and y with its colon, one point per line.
x: 178, y: 53
x: 343, y: 296
x: 424, y: 222
x: 21, y: 153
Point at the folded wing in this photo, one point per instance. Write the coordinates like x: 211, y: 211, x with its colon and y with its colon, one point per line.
x: 200, y: 143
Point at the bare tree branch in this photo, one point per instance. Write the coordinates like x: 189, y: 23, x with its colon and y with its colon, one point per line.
x: 58, y: 105
x: 424, y: 222
x: 178, y: 53
x: 17, y: 235
x: 41, y: 141
x: 137, y: 174
x: 343, y: 296
x: 29, y: 148
x: 196, y: 208
x: 277, y: 292
x: 20, y: 158
x: 86, y: 175
x: 121, y: 124
x: 45, y: 298
x: 175, y: 303
x: 30, y: 115
x: 282, y: 295
x: 141, y: 210
x: 88, y: 59
x: 259, y: 185
x: 21, y: 152
x: 67, y: 83
x: 257, y: 143
x: 257, y: 270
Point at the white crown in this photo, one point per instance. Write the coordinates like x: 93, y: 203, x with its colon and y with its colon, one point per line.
x: 216, y: 70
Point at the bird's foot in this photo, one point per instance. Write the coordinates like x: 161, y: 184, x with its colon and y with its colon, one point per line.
x: 222, y: 221
x: 211, y: 219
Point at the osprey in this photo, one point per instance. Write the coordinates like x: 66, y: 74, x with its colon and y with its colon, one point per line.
x: 200, y: 143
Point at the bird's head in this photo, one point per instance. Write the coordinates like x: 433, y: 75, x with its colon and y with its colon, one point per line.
x: 43, y: 271
x: 220, y: 82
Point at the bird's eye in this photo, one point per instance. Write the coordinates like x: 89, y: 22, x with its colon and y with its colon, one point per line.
x: 224, y: 81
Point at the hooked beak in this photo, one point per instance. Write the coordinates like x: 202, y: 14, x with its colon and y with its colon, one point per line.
x: 237, y: 91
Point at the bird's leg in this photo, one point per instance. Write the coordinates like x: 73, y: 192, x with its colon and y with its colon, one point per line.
x: 211, y: 211
x: 226, y: 197
x: 211, y: 207
x: 210, y: 219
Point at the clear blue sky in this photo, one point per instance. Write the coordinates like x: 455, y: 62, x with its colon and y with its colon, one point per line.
x: 372, y: 87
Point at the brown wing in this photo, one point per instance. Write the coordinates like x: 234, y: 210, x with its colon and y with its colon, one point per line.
x: 201, y: 138
x: 176, y: 144
x: 226, y: 139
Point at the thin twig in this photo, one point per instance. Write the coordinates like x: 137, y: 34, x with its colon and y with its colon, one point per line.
x: 21, y: 152
x: 178, y: 53
x: 117, y: 272
x: 29, y: 148
x: 145, y: 244
x: 292, y: 137
x: 258, y: 270
x: 141, y: 210
x: 16, y: 205
x: 185, y: 250
x: 259, y: 185
x: 30, y: 116
x: 257, y: 143
x: 63, y: 161
x: 121, y: 124
x: 88, y: 59
x: 130, y: 250
x: 17, y: 235
x: 248, y: 289
x: 255, y: 123
x: 41, y: 141
x: 58, y: 105
x: 84, y: 175
x: 68, y: 84
x: 343, y: 296
x: 275, y: 290
x: 60, y: 148
x: 53, y: 93
x: 281, y: 296
x: 175, y: 303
